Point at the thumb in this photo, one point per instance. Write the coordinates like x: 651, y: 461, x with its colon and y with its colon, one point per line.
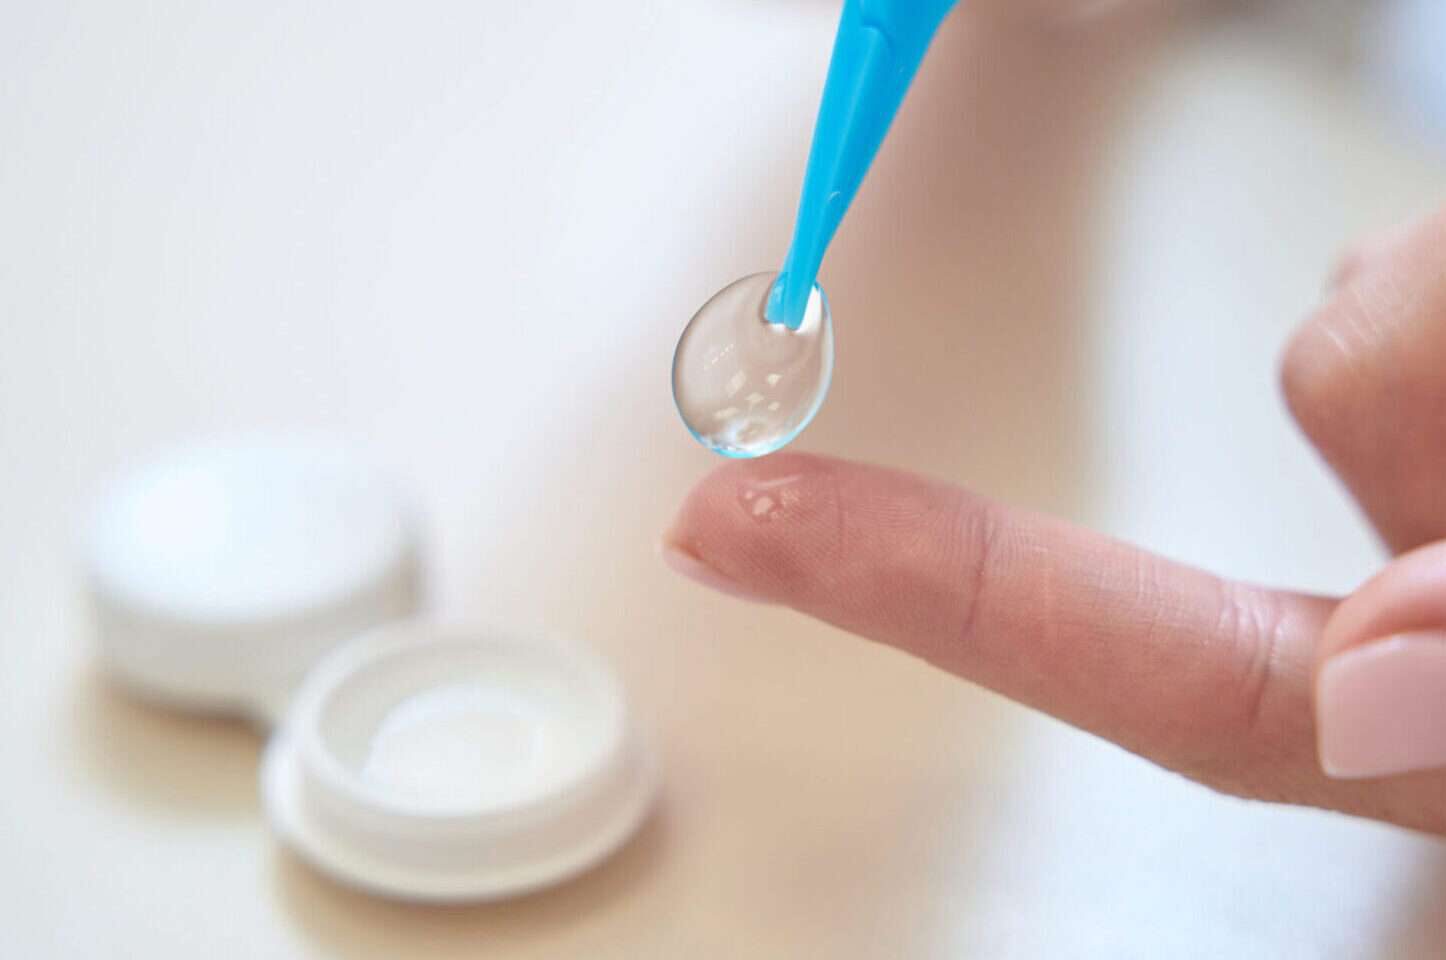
x: 1381, y: 685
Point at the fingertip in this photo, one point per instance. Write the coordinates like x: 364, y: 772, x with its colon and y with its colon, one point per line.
x: 1332, y: 353
x: 1375, y: 250
x: 756, y: 524
x: 687, y: 565
x: 1320, y: 373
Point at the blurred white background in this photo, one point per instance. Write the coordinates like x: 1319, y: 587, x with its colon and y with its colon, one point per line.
x: 467, y: 235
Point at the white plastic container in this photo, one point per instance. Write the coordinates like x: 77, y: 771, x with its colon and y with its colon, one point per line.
x: 219, y: 573
x: 453, y: 764
x: 280, y: 578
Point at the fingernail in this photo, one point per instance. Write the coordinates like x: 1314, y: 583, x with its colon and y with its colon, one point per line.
x: 699, y: 572
x: 1381, y: 707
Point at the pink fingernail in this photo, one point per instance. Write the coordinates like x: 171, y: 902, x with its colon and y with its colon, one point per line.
x: 699, y: 572
x: 1381, y: 707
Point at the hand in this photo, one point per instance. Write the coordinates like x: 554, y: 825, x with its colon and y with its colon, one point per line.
x: 1262, y: 693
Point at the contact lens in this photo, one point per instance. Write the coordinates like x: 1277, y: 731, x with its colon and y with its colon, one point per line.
x: 744, y: 384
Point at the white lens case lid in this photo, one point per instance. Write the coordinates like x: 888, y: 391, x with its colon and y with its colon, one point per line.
x: 447, y: 763
x: 220, y: 572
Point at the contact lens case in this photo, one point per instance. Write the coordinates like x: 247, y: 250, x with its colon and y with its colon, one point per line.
x: 279, y: 578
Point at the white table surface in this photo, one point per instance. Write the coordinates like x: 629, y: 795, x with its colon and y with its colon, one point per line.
x: 466, y: 235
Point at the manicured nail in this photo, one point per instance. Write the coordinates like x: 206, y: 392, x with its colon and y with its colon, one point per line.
x: 1381, y: 707
x: 696, y: 570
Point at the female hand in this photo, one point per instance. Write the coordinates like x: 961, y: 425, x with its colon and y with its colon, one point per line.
x: 1261, y: 693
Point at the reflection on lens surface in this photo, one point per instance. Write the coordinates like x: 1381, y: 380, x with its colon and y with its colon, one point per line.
x: 744, y: 386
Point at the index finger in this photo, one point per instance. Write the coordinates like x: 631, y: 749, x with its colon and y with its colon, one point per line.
x: 1205, y: 675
